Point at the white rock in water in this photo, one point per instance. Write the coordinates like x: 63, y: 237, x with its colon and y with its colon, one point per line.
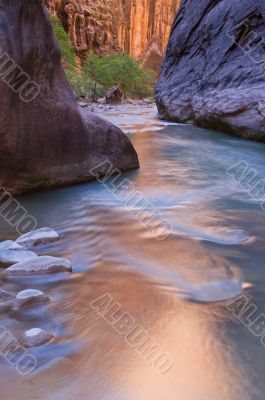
x: 40, y: 266
x: 10, y: 257
x: 29, y: 293
x: 30, y: 297
x: 11, y: 245
x: 39, y: 236
x: 33, y: 332
x: 36, y: 337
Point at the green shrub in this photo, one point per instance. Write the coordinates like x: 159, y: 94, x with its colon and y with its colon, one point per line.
x: 121, y: 69
x: 99, y: 73
x: 68, y: 54
x: 81, y: 87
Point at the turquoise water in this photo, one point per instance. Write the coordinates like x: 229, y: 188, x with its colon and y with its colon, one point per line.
x: 178, y: 289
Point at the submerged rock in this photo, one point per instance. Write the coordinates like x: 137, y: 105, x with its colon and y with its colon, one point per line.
x: 36, y: 337
x: 11, y: 245
x: 39, y: 266
x: 30, y: 297
x: 5, y: 296
x: 38, y: 236
x: 6, y: 299
x: 4, y: 307
x: 45, y: 141
x: 213, y: 73
x: 10, y: 257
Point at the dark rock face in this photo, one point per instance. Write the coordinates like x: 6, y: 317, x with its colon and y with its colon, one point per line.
x: 214, y: 71
x: 44, y: 140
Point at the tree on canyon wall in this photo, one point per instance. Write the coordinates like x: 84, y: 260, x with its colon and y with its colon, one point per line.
x: 99, y: 73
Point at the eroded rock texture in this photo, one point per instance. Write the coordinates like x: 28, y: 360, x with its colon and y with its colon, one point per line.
x: 45, y: 142
x: 138, y: 27
x: 214, y: 72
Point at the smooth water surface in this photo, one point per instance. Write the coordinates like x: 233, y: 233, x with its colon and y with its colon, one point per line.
x: 178, y: 289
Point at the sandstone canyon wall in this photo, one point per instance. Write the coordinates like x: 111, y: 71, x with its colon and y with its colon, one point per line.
x: 45, y: 142
x: 138, y: 27
x: 214, y: 70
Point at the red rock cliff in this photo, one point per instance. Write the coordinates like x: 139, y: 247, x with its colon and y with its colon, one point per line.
x: 138, y: 27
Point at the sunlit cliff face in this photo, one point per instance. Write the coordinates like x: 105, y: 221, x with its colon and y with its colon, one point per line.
x: 140, y: 28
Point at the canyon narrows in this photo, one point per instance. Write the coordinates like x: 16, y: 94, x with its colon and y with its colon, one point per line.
x: 129, y: 283
x: 45, y: 141
x: 140, y: 28
x: 214, y: 74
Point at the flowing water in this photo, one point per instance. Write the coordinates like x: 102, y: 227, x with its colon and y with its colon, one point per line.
x: 178, y: 287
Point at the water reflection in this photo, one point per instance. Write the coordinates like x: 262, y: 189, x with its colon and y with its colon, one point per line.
x: 176, y: 288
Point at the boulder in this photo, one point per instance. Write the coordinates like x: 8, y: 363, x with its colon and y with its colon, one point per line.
x: 37, y: 237
x: 213, y: 73
x: 10, y: 257
x: 114, y: 95
x: 30, y: 297
x: 45, y: 141
x: 102, y: 100
x: 82, y: 104
x: 11, y: 245
x: 36, y: 337
x: 39, y: 266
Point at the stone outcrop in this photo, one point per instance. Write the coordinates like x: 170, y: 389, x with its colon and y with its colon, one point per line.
x: 36, y: 337
x: 9, y: 257
x: 37, y: 237
x: 214, y: 73
x: 11, y: 245
x: 45, y: 142
x: 39, y: 266
x: 138, y: 27
x: 28, y: 298
x: 114, y: 95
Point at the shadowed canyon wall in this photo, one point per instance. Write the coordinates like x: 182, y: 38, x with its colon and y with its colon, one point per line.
x: 213, y: 73
x: 138, y: 27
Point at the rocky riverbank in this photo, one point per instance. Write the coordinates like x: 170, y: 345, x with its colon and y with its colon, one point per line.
x: 19, y: 259
x: 128, y: 105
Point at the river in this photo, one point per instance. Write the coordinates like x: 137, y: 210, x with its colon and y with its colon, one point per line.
x: 177, y: 286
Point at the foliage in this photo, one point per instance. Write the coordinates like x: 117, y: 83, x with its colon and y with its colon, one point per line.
x: 121, y: 69
x: 99, y: 73
x: 65, y: 44
x: 81, y: 86
x: 77, y: 82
